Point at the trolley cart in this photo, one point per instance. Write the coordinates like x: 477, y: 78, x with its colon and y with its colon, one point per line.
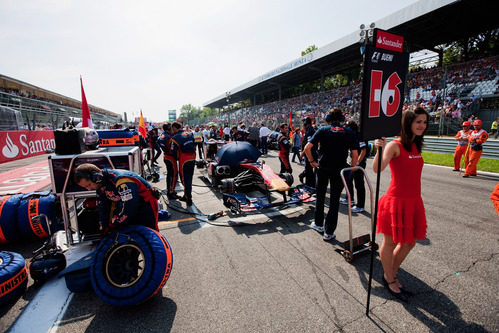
x: 362, y: 243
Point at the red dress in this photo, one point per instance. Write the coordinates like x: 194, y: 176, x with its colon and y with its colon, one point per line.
x: 401, y: 212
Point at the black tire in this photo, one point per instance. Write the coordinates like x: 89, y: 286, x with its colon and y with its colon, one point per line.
x: 9, y: 231
x: 13, y: 276
x: 131, y: 265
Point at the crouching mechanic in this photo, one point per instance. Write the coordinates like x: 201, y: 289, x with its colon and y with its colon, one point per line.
x: 125, y: 198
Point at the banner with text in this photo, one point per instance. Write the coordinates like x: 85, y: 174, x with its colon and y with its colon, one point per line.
x: 16, y: 145
x: 382, y: 92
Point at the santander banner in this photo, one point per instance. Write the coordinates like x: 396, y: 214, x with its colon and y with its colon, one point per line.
x: 388, y: 41
x: 16, y: 145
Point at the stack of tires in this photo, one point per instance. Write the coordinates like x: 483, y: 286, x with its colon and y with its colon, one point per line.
x: 17, y: 212
x: 131, y: 265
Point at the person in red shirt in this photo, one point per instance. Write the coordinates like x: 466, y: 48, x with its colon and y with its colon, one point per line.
x: 462, y: 146
x: 476, y: 139
x: 401, y: 213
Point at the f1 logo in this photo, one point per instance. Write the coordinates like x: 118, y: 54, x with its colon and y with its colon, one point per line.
x: 388, y: 98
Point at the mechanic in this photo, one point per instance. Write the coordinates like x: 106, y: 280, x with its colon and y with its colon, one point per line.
x: 334, y: 142
x: 238, y: 135
x: 125, y: 198
x: 170, y: 161
x: 308, y: 173
x: 477, y: 138
x: 284, y: 147
x: 182, y: 145
x: 462, y: 145
x: 152, y: 139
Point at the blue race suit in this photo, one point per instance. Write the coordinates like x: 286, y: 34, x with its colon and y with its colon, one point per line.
x: 183, y: 148
x: 170, y: 162
x: 126, y: 198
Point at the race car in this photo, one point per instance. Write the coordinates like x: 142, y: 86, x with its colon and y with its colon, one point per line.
x: 236, y: 172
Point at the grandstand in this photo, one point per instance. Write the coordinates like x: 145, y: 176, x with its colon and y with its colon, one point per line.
x: 460, y: 90
x: 42, y: 108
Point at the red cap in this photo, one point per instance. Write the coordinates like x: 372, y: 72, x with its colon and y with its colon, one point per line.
x: 466, y: 123
x: 477, y: 122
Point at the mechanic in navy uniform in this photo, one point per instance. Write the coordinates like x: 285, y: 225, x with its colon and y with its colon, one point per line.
x: 170, y: 161
x: 333, y: 141
x: 184, y: 149
x: 284, y: 148
x: 308, y: 173
x: 238, y: 135
x: 125, y: 198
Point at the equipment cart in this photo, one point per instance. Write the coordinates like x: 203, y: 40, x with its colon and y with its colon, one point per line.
x: 362, y: 243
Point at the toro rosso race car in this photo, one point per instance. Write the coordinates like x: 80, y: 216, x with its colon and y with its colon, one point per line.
x: 237, y: 173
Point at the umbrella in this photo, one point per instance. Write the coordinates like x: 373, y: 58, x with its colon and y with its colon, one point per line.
x: 235, y: 153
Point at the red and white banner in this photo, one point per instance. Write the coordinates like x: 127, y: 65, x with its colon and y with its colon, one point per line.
x: 388, y: 41
x: 16, y: 145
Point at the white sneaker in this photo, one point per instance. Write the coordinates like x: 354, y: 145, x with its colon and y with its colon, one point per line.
x: 345, y: 202
x: 356, y: 209
x: 317, y: 228
x: 327, y: 237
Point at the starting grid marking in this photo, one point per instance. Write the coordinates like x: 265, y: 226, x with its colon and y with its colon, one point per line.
x: 25, y: 179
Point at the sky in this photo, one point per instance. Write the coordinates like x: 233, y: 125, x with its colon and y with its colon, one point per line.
x: 160, y: 55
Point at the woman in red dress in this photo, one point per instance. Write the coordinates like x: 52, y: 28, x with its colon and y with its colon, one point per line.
x: 401, y: 213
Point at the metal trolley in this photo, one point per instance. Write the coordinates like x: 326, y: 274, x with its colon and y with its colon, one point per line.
x: 361, y: 243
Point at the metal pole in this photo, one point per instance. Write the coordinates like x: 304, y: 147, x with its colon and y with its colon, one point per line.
x: 373, y: 231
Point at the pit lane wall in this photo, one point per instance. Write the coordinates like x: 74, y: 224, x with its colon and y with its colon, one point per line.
x: 16, y: 145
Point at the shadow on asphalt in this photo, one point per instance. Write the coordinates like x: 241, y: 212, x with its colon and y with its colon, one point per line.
x: 155, y: 315
x: 429, y: 306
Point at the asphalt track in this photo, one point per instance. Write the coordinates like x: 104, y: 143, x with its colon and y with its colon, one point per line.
x: 273, y: 273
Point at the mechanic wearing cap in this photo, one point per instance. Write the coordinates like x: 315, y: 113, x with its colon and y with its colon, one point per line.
x: 125, y: 198
x: 284, y: 147
x: 183, y: 148
x: 308, y: 173
x: 476, y: 139
x: 462, y: 145
x: 170, y: 161
x: 334, y: 142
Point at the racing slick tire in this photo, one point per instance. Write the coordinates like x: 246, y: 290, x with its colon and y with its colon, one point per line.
x: 13, y: 276
x: 288, y: 178
x: 131, y: 265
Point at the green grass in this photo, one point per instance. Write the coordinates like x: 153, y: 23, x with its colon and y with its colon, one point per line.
x: 485, y: 164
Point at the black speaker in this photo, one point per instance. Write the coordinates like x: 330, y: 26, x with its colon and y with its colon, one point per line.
x: 70, y: 141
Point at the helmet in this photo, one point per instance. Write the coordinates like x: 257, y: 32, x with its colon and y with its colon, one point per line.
x: 466, y: 123
x: 91, y: 139
x: 477, y: 122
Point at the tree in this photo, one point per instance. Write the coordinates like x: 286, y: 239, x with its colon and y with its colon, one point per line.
x: 309, y: 49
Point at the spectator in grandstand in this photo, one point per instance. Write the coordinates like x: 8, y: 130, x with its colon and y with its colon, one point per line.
x: 401, y: 213
x: 183, y: 148
x: 309, y: 173
x: 284, y: 148
x: 462, y: 146
x: 264, y: 135
x: 334, y: 142
x: 476, y: 139
x: 493, y: 128
x: 357, y: 176
x: 125, y: 198
x: 296, y: 145
x: 253, y: 134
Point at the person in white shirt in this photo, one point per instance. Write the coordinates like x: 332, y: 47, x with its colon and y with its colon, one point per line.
x: 264, y: 134
x: 226, y: 132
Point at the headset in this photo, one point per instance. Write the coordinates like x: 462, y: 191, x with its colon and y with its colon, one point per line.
x: 95, y: 177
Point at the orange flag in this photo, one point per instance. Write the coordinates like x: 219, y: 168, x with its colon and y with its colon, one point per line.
x: 142, y: 126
